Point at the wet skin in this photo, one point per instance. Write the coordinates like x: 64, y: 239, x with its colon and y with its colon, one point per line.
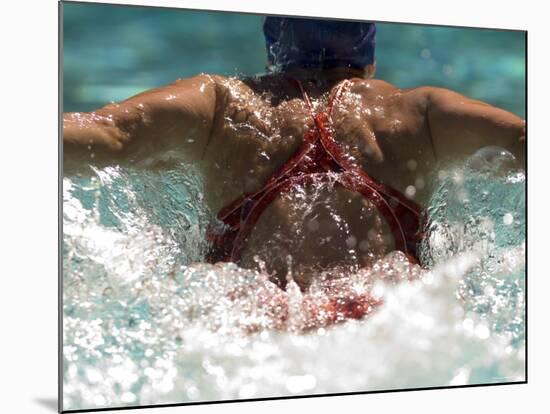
x: 240, y: 132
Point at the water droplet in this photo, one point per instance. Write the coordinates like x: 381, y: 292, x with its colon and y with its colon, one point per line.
x: 458, y: 177
x: 482, y: 331
x: 426, y: 53
x: 364, y: 245
x: 508, y: 219
x: 468, y: 324
x: 419, y: 182
x: 351, y: 241
x: 410, y: 191
x: 448, y: 70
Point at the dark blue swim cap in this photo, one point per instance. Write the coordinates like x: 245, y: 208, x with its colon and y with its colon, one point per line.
x: 315, y: 43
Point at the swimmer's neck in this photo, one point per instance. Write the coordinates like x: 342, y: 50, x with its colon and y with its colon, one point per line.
x: 332, y: 75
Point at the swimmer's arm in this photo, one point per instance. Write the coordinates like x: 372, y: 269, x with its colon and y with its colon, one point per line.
x: 174, y: 120
x: 459, y: 126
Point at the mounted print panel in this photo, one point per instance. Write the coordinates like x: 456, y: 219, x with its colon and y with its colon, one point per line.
x: 261, y: 207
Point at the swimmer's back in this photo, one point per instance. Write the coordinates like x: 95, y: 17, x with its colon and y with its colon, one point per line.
x: 240, y: 132
x: 260, y: 122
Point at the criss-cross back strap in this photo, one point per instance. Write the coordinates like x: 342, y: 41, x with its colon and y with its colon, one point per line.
x: 324, y: 154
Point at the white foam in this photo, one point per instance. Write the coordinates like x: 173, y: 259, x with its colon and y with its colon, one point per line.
x: 143, y: 324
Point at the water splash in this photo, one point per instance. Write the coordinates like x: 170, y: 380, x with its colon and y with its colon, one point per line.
x: 145, y: 322
x: 481, y: 208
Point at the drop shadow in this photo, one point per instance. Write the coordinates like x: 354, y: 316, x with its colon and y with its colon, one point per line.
x: 49, y: 403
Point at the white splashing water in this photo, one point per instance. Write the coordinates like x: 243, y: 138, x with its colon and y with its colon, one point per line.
x: 145, y: 322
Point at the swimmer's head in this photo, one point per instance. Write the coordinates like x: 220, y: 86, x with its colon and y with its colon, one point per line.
x: 319, y: 44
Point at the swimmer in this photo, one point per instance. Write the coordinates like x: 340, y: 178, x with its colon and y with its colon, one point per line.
x: 314, y: 165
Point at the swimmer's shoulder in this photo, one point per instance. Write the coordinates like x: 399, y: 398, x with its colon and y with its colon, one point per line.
x: 385, y: 88
x: 226, y: 86
x: 261, y: 89
x: 219, y: 82
x: 416, y: 97
x: 376, y: 85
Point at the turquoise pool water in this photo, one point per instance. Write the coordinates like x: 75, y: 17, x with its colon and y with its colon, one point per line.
x: 112, y: 52
x: 145, y: 322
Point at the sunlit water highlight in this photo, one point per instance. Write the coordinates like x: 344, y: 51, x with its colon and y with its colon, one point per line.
x: 145, y: 322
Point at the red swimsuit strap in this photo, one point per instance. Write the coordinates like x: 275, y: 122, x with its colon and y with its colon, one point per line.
x: 310, y: 141
x: 403, y: 215
x: 323, y: 155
